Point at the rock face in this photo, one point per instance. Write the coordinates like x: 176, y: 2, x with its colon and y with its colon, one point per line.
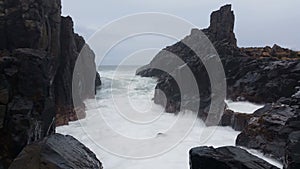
x: 29, y: 111
x: 292, y: 157
x: 266, y: 75
x: 56, y: 152
x: 259, y: 79
x: 167, y: 85
x: 263, y: 80
x: 271, y: 126
x: 73, y: 45
x: 225, y: 158
x: 222, y: 25
x: 30, y: 24
x: 38, y: 51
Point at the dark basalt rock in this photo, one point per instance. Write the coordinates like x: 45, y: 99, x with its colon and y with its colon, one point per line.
x: 262, y: 80
x: 261, y: 75
x: 38, y: 51
x: 292, y: 156
x: 30, y: 24
x: 30, y: 111
x: 222, y: 25
x: 75, y: 52
x: 56, y: 152
x: 167, y: 90
x: 225, y: 158
x: 237, y: 121
x: 270, y: 127
x: 256, y: 78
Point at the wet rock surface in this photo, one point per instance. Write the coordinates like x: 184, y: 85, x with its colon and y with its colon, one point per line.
x: 38, y: 51
x: 56, y: 152
x: 292, y: 156
x: 259, y: 79
x: 225, y: 158
x: 265, y: 75
x: 237, y: 121
x: 271, y: 126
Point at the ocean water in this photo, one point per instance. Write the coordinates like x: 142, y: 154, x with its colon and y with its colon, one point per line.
x: 126, y: 130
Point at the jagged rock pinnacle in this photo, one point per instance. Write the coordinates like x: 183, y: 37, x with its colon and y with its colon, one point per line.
x: 222, y: 25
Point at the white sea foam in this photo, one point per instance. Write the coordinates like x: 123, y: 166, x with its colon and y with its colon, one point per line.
x: 94, y: 130
x: 243, y: 107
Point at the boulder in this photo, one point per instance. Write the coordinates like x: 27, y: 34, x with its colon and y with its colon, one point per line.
x: 225, y: 158
x: 56, y: 152
x: 237, y: 121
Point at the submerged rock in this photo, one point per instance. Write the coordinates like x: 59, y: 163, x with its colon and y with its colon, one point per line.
x: 225, y: 158
x: 56, y: 152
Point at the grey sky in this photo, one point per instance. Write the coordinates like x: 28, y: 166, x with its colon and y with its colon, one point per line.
x: 258, y: 23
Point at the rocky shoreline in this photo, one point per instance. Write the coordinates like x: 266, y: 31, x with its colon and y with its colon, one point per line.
x: 38, y: 51
x: 269, y: 76
x: 38, y: 54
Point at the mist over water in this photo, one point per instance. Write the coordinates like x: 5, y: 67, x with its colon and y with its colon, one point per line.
x: 114, y: 110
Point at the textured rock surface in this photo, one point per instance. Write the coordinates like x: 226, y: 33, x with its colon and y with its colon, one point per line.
x: 56, y: 152
x: 38, y: 51
x: 225, y: 158
x: 249, y: 76
x: 262, y: 75
x: 292, y: 157
x: 73, y: 45
x: 31, y: 24
x: 222, y: 25
x: 275, y: 51
x: 238, y: 121
x: 270, y: 127
x: 30, y: 109
x: 263, y: 80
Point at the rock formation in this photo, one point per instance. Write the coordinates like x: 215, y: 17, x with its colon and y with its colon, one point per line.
x: 258, y: 79
x: 222, y: 25
x: 263, y: 75
x: 38, y: 51
x: 292, y: 157
x: 275, y: 51
x: 270, y: 127
x: 56, y: 152
x: 225, y: 158
x: 237, y: 121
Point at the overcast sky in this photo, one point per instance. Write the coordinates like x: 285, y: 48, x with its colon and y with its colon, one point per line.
x: 258, y: 23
